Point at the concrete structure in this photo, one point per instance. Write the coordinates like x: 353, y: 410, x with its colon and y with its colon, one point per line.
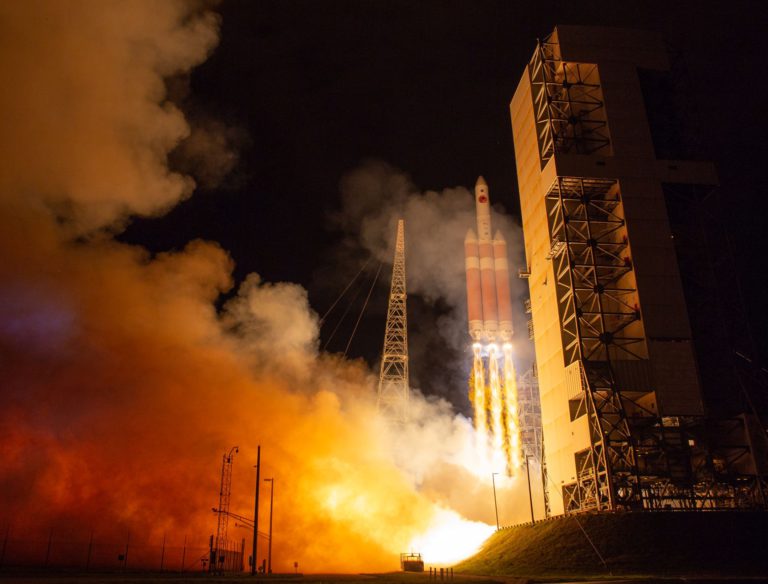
x: 617, y: 371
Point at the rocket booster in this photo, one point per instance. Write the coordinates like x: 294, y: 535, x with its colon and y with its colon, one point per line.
x: 489, y: 304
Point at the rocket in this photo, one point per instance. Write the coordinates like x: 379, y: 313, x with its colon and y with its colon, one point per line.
x: 489, y: 305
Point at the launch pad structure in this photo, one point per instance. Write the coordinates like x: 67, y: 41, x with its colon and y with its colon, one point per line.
x: 394, y: 389
x: 624, y: 354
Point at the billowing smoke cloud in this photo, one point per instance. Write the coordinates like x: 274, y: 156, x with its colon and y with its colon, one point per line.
x: 86, y: 126
x: 375, y: 196
x: 122, y: 383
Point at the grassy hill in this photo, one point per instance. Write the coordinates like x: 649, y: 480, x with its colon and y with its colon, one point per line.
x: 648, y: 544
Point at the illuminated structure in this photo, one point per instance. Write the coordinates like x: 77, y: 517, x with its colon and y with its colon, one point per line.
x: 394, y: 389
x: 529, y: 404
x: 531, y: 437
x: 621, y: 393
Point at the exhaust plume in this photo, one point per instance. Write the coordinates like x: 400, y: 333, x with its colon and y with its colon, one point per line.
x: 122, y: 383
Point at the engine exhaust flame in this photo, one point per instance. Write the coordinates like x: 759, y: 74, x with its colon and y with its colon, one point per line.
x: 512, y: 426
x: 478, y: 398
x: 495, y: 406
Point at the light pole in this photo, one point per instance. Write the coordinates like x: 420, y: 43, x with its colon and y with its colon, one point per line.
x: 271, y: 501
x: 495, y: 504
x: 256, y: 511
x: 528, y: 473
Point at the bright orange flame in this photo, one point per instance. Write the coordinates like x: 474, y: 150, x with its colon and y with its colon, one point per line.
x: 498, y: 401
x: 479, y: 401
x: 512, y: 414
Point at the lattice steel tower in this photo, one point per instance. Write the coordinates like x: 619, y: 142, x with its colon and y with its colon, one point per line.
x: 225, y: 492
x: 393, y: 380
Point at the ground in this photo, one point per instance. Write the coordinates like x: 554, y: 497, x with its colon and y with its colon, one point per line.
x: 389, y: 578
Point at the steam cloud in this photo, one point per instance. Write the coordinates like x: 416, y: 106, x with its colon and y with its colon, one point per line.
x: 375, y: 196
x: 122, y: 384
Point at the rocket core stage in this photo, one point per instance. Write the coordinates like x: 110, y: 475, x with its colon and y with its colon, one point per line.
x: 488, y: 299
x: 493, y: 383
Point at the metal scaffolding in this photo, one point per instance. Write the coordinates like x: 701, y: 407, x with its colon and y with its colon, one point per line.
x: 598, y: 308
x: 394, y: 389
x: 221, y: 548
x: 637, y: 459
x: 621, y: 374
x: 532, y: 435
x: 568, y: 104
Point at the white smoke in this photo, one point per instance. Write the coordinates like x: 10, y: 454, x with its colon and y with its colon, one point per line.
x: 275, y: 325
x: 375, y: 195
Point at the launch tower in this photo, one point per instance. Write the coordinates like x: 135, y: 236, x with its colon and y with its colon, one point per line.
x: 394, y: 389
x: 621, y: 391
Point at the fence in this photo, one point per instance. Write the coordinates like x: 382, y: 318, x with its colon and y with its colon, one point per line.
x: 95, y: 554
x: 228, y: 557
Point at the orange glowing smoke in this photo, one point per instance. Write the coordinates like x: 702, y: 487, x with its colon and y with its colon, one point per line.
x: 497, y: 424
x: 122, y: 383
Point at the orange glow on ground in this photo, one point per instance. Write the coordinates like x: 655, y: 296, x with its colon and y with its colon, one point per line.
x: 450, y: 539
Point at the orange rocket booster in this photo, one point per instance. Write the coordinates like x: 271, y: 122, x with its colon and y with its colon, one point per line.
x: 488, y: 299
x: 474, y: 296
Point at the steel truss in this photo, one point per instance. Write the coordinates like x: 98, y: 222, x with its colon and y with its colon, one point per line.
x: 394, y: 389
x: 597, y: 303
x: 568, y: 104
x: 634, y: 460
x: 221, y: 544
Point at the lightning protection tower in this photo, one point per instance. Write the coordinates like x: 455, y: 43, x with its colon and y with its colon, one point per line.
x: 223, y: 511
x: 393, y: 379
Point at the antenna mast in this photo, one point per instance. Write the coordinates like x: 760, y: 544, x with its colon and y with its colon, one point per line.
x: 393, y: 379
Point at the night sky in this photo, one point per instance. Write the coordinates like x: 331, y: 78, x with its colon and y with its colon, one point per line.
x: 307, y: 91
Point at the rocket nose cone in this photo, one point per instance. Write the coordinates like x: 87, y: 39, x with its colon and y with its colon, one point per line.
x: 470, y: 236
x: 499, y: 236
x: 481, y: 182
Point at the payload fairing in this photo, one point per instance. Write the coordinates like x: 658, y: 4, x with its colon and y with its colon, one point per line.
x: 488, y: 298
